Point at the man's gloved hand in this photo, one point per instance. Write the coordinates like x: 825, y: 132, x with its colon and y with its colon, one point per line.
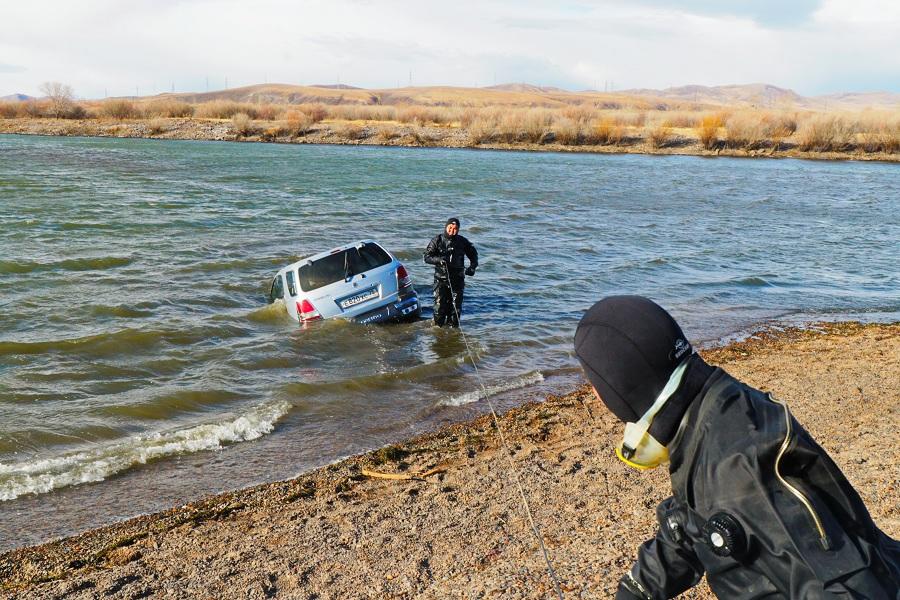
x: 470, y: 271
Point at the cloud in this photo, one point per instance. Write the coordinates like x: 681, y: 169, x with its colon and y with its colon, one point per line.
x: 11, y: 68
x: 105, y: 46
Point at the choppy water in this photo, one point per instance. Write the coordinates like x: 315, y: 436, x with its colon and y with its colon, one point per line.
x: 136, y: 349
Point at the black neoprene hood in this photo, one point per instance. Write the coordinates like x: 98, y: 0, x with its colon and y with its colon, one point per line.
x: 628, y: 347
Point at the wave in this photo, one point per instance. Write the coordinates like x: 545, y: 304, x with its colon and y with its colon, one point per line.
x: 70, y: 264
x: 492, y: 390
x: 120, y: 341
x: 42, y: 476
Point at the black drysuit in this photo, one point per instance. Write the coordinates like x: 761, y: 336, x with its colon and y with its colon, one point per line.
x: 448, y: 254
x: 725, y: 462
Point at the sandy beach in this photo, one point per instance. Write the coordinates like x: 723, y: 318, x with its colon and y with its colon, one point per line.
x: 455, y: 528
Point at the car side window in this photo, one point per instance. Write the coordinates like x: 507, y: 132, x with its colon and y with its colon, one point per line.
x: 292, y: 287
x: 277, y: 290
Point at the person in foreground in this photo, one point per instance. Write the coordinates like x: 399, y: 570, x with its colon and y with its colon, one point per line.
x: 447, y: 252
x: 758, y: 506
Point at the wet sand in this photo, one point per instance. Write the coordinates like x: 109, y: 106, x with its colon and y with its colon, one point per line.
x: 459, y: 529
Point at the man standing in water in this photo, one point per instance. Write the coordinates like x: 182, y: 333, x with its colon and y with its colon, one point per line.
x: 757, y: 506
x: 447, y: 252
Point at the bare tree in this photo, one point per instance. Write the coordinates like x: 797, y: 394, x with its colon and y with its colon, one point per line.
x: 61, y: 96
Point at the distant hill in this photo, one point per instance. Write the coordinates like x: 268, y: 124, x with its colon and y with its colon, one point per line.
x: 689, y: 97
x: 763, y: 95
x: 527, y: 88
x: 862, y: 100
x: 335, y: 86
x: 754, y: 94
x: 15, y: 98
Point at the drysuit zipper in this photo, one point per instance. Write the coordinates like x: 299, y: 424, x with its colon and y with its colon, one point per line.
x: 823, y: 537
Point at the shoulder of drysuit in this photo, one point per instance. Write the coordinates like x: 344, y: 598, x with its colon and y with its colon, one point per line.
x: 731, y: 429
x: 435, y: 241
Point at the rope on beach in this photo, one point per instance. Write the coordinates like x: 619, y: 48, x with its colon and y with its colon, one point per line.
x: 508, y: 451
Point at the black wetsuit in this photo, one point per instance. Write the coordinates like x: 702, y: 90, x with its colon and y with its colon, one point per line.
x: 448, y: 255
x: 724, y: 463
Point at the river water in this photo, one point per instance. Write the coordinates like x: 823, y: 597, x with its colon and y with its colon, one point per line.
x: 140, y: 366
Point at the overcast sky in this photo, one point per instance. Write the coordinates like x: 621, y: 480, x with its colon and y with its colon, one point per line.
x: 110, y: 47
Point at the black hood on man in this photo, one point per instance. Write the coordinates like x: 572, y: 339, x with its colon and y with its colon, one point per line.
x: 628, y: 347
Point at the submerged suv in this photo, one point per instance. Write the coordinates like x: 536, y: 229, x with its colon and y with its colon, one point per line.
x: 362, y: 282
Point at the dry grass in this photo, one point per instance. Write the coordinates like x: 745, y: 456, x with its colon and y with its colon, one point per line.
x: 298, y: 123
x: 511, y: 118
x: 242, y: 124
x: 482, y: 129
x: 351, y: 131
x: 169, y: 108
x: 708, y: 131
x: 824, y: 133
x: 745, y: 131
x: 536, y: 124
x: 606, y: 131
x: 567, y: 131
x: 224, y: 109
x: 157, y: 125
x: 658, y: 135
x: 120, y: 109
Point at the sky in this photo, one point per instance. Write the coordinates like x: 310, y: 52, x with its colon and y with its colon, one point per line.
x: 140, y: 47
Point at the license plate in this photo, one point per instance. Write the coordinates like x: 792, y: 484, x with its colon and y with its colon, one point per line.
x: 359, y: 298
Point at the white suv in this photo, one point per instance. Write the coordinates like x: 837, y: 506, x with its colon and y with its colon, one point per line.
x: 362, y: 282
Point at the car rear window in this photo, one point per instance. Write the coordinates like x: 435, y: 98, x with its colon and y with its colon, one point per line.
x: 340, y: 265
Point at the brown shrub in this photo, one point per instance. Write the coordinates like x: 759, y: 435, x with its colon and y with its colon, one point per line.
x: 316, y: 112
x: 224, y: 109
x: 35, y: 108
x: 169, y: 108
x: 510, y: 127
x: 745, y: 130
x: 658, y: 135
x: 567, y: 131
x: 536, y: 124
x: 157, y: 125
x: 351, y: 131
x: 242, y: 124
x: 682, y: 119
x: 885, y: 138
x: 468, y: 116
x: 780, y: 125
x: 298, y: 123
x: 482, y: 129
x: 387, y: 133
x: 580, y: 113
x: 607, y: 132
x: 708, y: 131
x: 9, y: 110
x: 269, y: 112
x: 118, y: 108
x: 420, y: 115
x: 824, y: 133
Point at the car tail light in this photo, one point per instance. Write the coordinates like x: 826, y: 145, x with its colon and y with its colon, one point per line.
x: 307, y: 311
x: 403, y: 277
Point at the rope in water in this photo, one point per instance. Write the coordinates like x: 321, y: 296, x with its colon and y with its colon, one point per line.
x: 508, y: 452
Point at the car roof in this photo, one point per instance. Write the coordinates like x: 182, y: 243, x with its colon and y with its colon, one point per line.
x: 315, y: 257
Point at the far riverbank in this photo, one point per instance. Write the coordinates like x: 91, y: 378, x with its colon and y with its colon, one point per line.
x: 673, y: 141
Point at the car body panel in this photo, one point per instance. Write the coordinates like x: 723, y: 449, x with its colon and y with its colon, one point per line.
x: 361, y: 292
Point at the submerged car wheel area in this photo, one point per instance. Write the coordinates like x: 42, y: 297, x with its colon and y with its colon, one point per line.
x: 361, y: 282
